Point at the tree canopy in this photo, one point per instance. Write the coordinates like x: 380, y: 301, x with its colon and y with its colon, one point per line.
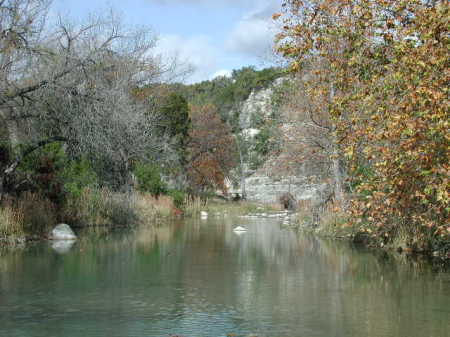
x: 385, y: 73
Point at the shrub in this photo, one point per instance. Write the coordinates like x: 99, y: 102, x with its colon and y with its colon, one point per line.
x: 53, y: 151
x: 149, y: 179
x: 78, y: 175
x: 178, y: 197
x: 5, y: 153
x: 40, y: 170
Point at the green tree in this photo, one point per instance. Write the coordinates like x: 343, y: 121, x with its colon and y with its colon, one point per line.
x: 149, y: 179
x: 175, y: 117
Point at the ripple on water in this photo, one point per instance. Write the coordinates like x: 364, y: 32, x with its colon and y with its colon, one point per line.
x: 204, y: 280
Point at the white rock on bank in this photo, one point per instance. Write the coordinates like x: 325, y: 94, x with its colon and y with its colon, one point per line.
x: 204, y: 215
x: 62, y: 232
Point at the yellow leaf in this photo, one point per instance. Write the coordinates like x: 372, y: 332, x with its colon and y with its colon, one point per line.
x: 276, y: 16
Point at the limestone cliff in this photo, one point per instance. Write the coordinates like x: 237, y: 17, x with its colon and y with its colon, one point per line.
x: 271, y: 178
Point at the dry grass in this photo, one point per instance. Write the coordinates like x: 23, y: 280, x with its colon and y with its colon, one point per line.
x: 415, y: 239
x: 332, y: 217
x: 89, y: 208
x: 30, y: 214
x: 402, y: 238
x: 304, y: 212
x: 39, y: 213
x: 194, y: 205
x: 274, y: 207
x: 246, y: 207
x: 102, y: 207
x: 11, y: 222
x: 151, y: 209
x: 329, y: 219
x: 241, y: 207
x: 96, y: 207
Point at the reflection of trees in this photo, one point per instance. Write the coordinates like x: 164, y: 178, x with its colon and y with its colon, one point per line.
x: 268, y: 280
x: 277, y: 276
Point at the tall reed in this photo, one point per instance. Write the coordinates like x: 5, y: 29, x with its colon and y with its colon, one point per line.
x: 31, y: 213
x: 193, y: 205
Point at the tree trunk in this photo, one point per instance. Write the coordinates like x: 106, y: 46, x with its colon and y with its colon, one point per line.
x: 243, y: 191
x: 338, y: 178
x: 242, y: 164
x: 128, y: 175
x: 336, y: 164
x: 2, y: 186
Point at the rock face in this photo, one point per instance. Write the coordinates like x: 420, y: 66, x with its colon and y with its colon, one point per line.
x: 263, y: 188
x: 269, y: 182
x: 258, y: 104
x: 62, y: 232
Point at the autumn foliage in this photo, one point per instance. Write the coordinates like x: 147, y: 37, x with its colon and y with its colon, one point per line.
x: 211, y: 150
x: 386, y: 71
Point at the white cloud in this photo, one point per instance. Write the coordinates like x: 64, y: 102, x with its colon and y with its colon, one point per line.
x: 222, y: 73
x: 197, y: 51
x: 251, y: 36
x: 254, y: 34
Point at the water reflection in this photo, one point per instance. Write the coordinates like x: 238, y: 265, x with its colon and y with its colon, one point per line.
x: 62, y: 246
x: 201, y: 279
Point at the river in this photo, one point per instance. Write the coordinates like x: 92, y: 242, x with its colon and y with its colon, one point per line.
x: 199, y: 278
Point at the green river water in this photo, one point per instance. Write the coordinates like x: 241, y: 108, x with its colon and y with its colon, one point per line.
x: 199, y: 278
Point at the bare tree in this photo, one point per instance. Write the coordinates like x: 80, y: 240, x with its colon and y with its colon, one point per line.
x: 74, y: 83
x: 309, y: 134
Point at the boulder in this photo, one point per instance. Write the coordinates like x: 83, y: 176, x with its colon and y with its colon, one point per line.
x: 62, y: 232
x: 288, y: 201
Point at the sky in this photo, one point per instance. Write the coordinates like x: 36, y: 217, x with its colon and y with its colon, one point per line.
x: 215, y: 36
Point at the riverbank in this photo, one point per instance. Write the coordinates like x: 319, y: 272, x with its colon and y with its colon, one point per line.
x: 333, y: 222
x: 31, y: 216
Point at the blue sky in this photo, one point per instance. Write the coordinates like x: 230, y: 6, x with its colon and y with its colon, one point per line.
x: 215, y: 36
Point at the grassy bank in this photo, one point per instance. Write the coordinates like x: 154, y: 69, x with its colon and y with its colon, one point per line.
x: 333, y: 221
x: 31, y: 215
x: 26, y: 217
x: 239, y: 207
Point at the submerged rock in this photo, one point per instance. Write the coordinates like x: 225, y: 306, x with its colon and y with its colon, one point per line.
x: 62, y: 232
